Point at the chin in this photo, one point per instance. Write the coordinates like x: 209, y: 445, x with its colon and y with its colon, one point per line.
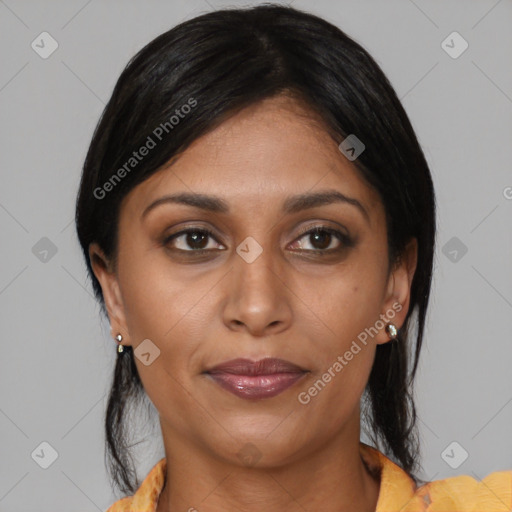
x: 260, y: 447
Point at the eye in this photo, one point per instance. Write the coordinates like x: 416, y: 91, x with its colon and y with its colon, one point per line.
x: 192, y: 240
x: 323, y: 239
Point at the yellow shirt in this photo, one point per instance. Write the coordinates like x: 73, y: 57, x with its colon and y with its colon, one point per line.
x: 398, y: 492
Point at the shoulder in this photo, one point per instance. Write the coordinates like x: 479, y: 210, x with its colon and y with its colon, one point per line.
x: 146, y: 497
x: 465, y: 494
x: 122, y: 505
x: 398, y: 491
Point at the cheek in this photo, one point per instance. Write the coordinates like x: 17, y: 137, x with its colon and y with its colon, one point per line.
x: 345, y: 351
x: 347, y: 304
x: 166, y: 306
x: 153, y: 297
x: 150, y: 304
x: 160, y: 307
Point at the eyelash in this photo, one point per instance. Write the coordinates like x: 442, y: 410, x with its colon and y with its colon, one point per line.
x: 345, y: 240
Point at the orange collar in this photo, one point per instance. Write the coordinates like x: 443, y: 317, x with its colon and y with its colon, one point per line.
x: 398, y: 491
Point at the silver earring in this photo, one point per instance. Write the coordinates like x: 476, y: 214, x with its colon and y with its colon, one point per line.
x: 120, y: 347
x: 392, y: 331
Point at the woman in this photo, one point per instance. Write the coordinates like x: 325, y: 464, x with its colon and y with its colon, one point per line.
x: 258, y: 221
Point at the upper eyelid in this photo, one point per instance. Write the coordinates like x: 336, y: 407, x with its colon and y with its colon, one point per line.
x: 327, y: 227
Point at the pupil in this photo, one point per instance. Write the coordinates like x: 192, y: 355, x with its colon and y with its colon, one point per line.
x: 194, y: 236
x: 324, y: 239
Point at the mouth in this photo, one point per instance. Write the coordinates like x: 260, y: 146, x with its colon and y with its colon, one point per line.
x: 256, y: 380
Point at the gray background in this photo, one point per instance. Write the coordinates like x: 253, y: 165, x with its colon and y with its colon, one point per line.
x: 56, y: 355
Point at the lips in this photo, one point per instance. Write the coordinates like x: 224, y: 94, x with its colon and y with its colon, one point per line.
x: 256, y: 379
x: 267, y: 366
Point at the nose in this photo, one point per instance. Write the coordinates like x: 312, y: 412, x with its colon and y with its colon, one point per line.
x: 258, y: 300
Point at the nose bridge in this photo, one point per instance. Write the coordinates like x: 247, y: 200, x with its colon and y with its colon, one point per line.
x: 255, y: 267
x: 257, y: 253
x: 257, y: 296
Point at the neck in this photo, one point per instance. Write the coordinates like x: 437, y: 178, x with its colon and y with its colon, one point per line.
x: 333, y: 479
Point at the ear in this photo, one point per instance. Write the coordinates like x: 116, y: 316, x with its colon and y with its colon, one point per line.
x: 105, y: 273
x: 398, y: 293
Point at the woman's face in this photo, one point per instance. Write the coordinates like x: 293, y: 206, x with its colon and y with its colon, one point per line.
x: 259, y: 287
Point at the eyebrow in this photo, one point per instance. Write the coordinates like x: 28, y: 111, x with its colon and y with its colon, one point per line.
x: 292, y: 204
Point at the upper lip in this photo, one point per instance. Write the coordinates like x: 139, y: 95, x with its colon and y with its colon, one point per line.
x: 266, y: 366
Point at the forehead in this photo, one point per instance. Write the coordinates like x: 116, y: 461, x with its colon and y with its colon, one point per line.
x: 268, y: 150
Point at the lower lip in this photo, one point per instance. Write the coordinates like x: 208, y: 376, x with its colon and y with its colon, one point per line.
x: 256, y: 386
